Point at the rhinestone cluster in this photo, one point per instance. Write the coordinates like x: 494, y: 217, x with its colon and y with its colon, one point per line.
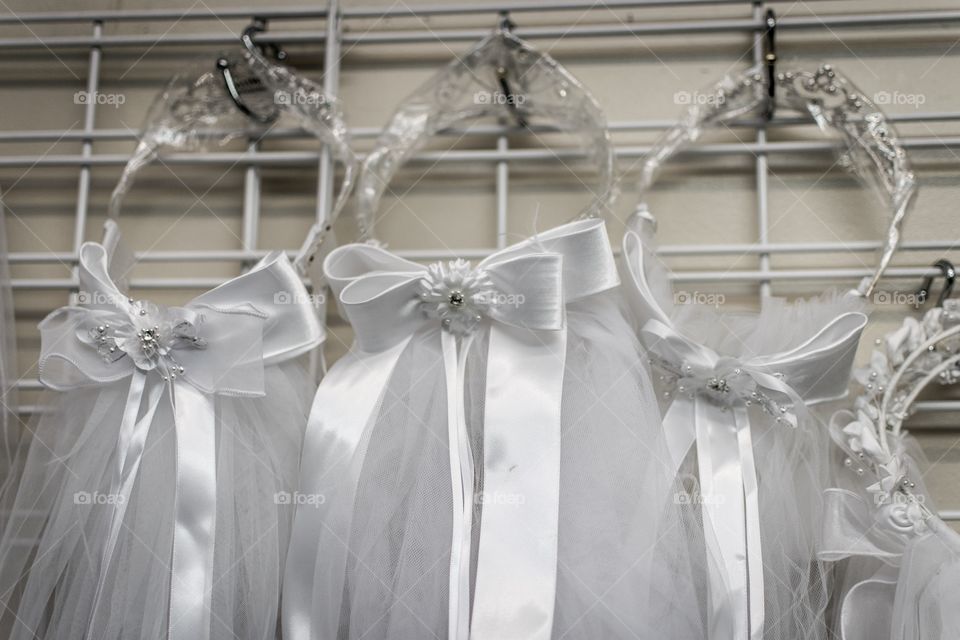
x: 833, y: 102
x: 871, y: 145
x: 725, y: 386
x: 148, y: 335
x: 458, y: 295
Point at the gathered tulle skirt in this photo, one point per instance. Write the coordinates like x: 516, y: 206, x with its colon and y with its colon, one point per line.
x: 793, y: 468
x: 51, y: 555
x: 381, y: 539
x: 912, y: 590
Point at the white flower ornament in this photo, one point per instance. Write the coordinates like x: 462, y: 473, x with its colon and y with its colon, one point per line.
x: 458, y: 295
x: 148, y: 334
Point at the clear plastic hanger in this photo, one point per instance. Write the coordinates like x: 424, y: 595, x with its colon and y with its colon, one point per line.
x: 503, y: 77
x: 242, y: 94
x: 870, y: 149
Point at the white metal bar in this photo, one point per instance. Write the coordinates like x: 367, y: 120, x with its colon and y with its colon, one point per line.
x: 902, y: 19
x: 325, y: 178
x: 304, y: 158
x: 51, y: 135
x: 936, y: 406
x: 791, y: 275
x: 290, y: 13
x: 251, y: 202
x: 331, y: 83
x: 502, y: 185
x: 86, y: 152
x: 760, y: 164
x: 239, y: 255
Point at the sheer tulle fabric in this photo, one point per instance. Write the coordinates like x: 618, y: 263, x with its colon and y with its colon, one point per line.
x: 384, y: 544
x: 49, y: 552
x: 8, y: 370
x: 913, y: 593
x: 792, y: 464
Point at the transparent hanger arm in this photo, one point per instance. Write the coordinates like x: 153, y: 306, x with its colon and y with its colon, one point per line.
x: 472, y: 87
x: 869, y: 146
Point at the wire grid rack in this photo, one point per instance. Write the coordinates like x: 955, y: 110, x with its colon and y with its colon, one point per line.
x: 91, y: 31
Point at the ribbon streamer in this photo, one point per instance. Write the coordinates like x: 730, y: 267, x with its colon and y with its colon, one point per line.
x: 712, y: 415
x: 379, y: 293
x: 461, y: 477
x: 241, y: 325
x: 517, y: 554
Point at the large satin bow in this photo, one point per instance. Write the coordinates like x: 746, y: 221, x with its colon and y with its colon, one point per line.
x: 518, y: 296
x: 712, y: 412
x: 711, y: 409
x: 217, y: 344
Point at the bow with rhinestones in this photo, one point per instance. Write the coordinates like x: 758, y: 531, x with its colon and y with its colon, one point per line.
x: 521, y: 291
x: 217, y: 344
x: 506, y: 584
x: 711, y: 410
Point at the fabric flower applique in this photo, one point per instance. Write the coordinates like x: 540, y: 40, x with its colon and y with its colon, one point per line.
x: 456, y: 294
x: 148, y: 334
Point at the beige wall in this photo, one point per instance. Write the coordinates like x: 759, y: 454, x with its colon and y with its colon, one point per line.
x: 707, y: 200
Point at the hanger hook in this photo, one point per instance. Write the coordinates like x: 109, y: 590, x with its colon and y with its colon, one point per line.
x: 507, y: 25
x: 258, y: 25
x: 949, y: 274
x: 770, y: 61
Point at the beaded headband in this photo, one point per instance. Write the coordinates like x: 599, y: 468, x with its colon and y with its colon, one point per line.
x: 869, y: 146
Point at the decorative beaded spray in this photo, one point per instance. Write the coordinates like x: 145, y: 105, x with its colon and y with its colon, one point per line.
x: 916, y: 354
x: 148, y: 335
x: 457, y: 294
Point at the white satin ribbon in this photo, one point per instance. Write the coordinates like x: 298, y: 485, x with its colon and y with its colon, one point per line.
x: 379, y: 294
x: 852, y: 527
x: 346, y: 403
x: 461, y: 478
x: 721, y: 429
x: 719, y: 424
x: 912, y: 591
x: 259, y: 317
x: 191, y: 573
x: 535, y: 277
x: 517, y: 555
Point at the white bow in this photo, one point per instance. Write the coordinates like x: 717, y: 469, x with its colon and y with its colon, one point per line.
x: 519, y: 296
x: 216, y: 344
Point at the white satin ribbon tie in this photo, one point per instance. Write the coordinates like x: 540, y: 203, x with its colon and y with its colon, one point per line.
x: 216, y: 345
x: 712, y: 411
x: 518, y: 294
